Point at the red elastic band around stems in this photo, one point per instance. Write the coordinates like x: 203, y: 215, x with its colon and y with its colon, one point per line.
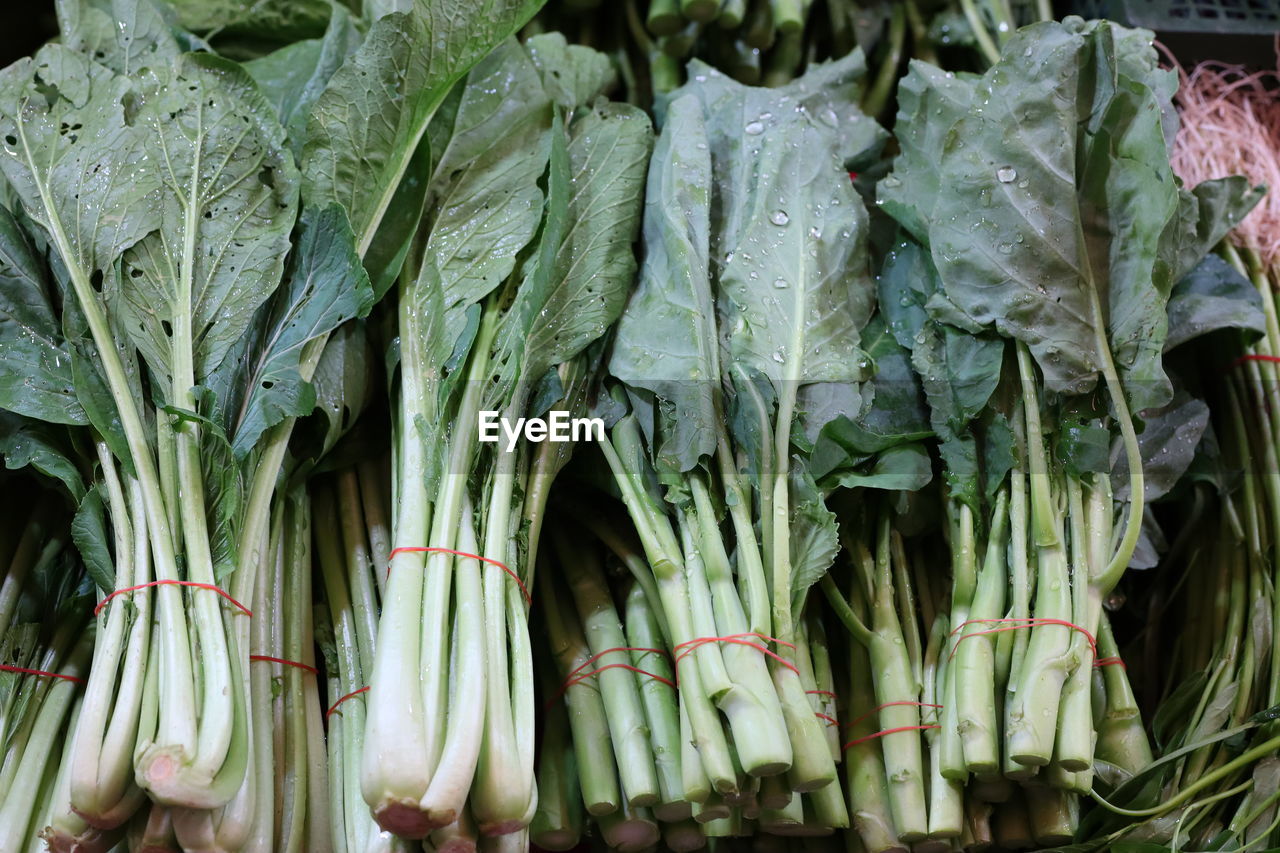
x: 1028, y: 622
x: 1110, y: 662
x: 334, y: 707
x: 298, y: 664
x: 877, y: 709
x: 691, y: 646
x: 831, y: 721
x: 24, y: 671
x: 1254, y: 356
x: 599, y: 655
x: 416, y: 549
x: 857, y: 741
x: 103, y: 603
x: 578, y: 679
x: 820, y: 693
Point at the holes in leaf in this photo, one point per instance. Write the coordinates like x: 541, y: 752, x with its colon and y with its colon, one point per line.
x: 95, y: 281
x: 267, y: 177
x: 135, y: 273
x: 11, y: 140
x: 167, y: 328
x: 267, y: 384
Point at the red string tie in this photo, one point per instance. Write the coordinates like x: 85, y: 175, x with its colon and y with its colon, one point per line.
x: 103, y: 603
x: 820, y: 693
x: 416, y: 549
x: 1027, y: 622
x: 333, y: 709
x: 577, y: 676
x: 877, y: 709
x: 831, y: 721
x: 1253, y: 356
x: 1110, y: 662
x: 293, y: 663
x: 24, y: 671
x: 691, y: 646
x: 857, y: 741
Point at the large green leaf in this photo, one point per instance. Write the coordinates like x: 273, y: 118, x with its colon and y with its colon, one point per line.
x: 594, y: 264
x: 325, y: 287
x: 485, y: 197
x: 227, y: 205
x: 79, y: 168
x: 666, y: 341
x: 367, y: 125
x: 788, y: 238
x: 1048, y: 203
x: 35, y: 361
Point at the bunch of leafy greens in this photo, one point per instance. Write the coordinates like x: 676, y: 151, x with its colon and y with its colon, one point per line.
x: 523, y: 259
x: 1045, y: 234
x: 178, y: 297
x: 741, y: 341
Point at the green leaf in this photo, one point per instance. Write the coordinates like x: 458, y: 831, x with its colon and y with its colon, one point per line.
x: 89, y: 533
x: 227, y: 205
x: 35, y: 361
x: 62, y: 121
x: 814, y: 538
x: 903, y: 467
x: 485, y: 196
x: 293, y: 77
x: 1047, y: 200
x: 124, y: 35
x: 325, y: 287
x: 1168, y: 444
x: 344, y: 382
x: 572, y: 74
x: 789, y: 243
x: 594, y: 264
x: 272, y: 21
x: 930, y: 102
x: 367, y: 125
x: 666, y: 340
x: 44, y: 447
x: 1213, y: 296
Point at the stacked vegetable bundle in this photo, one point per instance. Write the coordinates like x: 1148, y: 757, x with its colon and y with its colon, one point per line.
x: 254, y: 315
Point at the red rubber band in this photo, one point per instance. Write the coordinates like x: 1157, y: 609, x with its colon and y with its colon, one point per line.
x: 1031, y: 622
x: 308, y: 667
x: 853, y: 176
x: 880, y: 708
x: 820, y: 693
x: 573, y: 680
x: 599, y: 655
x: 1110, y: 662
x: 417, y: 549
x: 831, y: 721
x: 739, y: 640
x: 857, y: 741
x: 103, y: 603
x: 1253, y: 356
x: 25, y: 671
x: 334, y: 707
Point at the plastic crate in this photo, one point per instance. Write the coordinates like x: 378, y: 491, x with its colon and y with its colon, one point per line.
x: 1251, y: 17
